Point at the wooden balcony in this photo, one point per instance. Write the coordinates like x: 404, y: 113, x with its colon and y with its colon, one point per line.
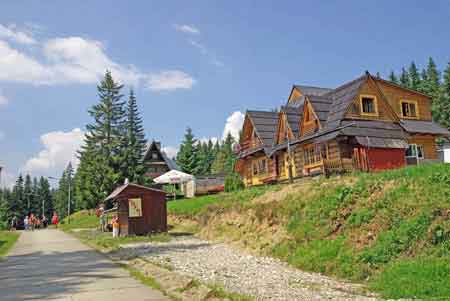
x: 249, y: 145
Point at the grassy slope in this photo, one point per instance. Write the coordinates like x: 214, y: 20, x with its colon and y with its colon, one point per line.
x: 7, y: 241
x: 389, y: 229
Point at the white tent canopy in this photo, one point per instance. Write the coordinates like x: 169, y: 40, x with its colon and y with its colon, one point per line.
x: 173, y: 177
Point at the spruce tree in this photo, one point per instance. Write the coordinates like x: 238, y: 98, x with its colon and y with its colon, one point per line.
x: 134, y: 143
x: 102, y: 155
x: 187, y: 158
x: 443, y: 105
x: 29, y: 196
x: 46, y: 198
x: 393, y: 78
x: 404, y: 78
x: 432, y: 87
x: 17, y: 205
x: 414, y: 77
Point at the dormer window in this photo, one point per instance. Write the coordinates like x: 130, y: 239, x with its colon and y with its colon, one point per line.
x: 408, y: 109
x: 154, y: 156
x: 368, y: 105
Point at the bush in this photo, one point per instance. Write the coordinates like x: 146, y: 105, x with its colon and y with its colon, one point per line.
x: 233, y: 182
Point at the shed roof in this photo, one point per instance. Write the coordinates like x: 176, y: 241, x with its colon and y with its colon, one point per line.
x: 424, y: 127
x: 122, y: 188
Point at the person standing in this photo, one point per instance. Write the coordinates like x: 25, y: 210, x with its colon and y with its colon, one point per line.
x: 115, y: 226
x: 55, y: 220
x: 44, y: 221
x: 32, y: 221
x: 13, y: 223
x: 26, y: 222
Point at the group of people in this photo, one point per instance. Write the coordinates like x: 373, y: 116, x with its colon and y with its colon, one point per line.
x: 32, y: 222
x: 100, y: 212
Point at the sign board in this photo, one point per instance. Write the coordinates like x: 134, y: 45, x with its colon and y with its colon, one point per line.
x: 135, y: 207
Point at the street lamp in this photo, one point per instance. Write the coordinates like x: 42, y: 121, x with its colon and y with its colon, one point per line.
x: 68, y: 201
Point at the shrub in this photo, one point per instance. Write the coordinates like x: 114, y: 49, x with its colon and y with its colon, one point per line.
x: 233, y: 182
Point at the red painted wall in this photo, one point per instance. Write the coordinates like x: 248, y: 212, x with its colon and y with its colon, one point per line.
x: 386, y: 158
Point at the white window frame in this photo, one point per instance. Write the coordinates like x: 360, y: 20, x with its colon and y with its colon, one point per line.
x: 416, y: 151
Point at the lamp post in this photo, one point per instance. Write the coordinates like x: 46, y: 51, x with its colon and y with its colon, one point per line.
x: 68, y: 200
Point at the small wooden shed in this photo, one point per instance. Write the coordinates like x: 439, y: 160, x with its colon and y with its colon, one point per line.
x: 141, y: 210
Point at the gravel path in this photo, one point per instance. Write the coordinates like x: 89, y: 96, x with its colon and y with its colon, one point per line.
x: 263, y: 277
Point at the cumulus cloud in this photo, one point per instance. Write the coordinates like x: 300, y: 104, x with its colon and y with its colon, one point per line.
x: 233, y: 125
x: 59, y: 149
x: 11, y: 33
x: 7, y: 179
x: 83, y: 61
x: 189, y: 29
x: 170, y: 80
x: 170, y: 151
x: 3, y: 99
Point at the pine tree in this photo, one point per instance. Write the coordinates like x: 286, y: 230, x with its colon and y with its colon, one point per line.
x: 46, y: 198
x: 17, y: 205
x: 187, y: 158
x: 443, y: 105
x: 28, y: 195
x: 102, y: 155
x: 432, y: 87
x: 414, y: 76
x: 404, y: 78
x: 134, y: 143
x: 225, y: 158
x: 62, y: 196
x: 393, y: 78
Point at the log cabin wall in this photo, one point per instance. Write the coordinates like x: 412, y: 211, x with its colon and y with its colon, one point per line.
x: 429, y: 145
x: 254, y: 174
x: 384, y: 112
x: 395, y: 94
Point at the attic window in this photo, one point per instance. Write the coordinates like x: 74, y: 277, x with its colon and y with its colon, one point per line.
x: 409, y: 109
x: 368, y: 105
x: 154, y: 156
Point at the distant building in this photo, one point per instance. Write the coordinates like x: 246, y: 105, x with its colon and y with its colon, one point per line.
x: 156, y: 161
x: 444, y: 153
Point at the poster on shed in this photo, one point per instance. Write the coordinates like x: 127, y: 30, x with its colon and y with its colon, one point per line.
x: 135, y: 207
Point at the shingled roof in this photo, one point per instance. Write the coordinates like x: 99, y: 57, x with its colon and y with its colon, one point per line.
x: 294, y: 115
x: 311, y: 90
x: 265, y: 124
x: 424, y: 127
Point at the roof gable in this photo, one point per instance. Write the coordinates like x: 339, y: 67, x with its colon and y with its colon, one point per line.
x: 264, y: 124
x: 155, y: 146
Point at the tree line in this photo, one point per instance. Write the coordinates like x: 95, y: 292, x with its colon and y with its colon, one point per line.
x: 432, y: 82
x: 28, y: 195
x: 203, y: 158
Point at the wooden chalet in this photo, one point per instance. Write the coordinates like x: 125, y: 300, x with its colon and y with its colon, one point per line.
x: 156, y: 161
x: 367, y: 124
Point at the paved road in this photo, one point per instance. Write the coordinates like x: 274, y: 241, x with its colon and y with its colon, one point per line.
x: 50, y: 264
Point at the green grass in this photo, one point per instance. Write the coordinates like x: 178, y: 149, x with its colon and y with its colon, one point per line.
x: 105, y: 241
x: 80, y: 220
x: 7, y: 241
x: 390, y: 230
x: 197, y: 205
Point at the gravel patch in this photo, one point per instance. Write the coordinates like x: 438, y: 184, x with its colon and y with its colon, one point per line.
x: 262, y: 277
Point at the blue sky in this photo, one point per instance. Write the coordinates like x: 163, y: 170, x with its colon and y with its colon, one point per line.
x: 192, y: 63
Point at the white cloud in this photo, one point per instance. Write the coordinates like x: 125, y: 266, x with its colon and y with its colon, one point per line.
x: 170, y: 151
x: 83, y: 61
x: 3, y: 99
x: 204, y: 51
x: 11, y: 33
x: 190, y: 29
x: 233, y: 125
x: 7, y: 179
x: 170, y: 80
x: 59, y: 149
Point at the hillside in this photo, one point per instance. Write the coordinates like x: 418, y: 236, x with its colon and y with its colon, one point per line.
x: 390, y: 230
